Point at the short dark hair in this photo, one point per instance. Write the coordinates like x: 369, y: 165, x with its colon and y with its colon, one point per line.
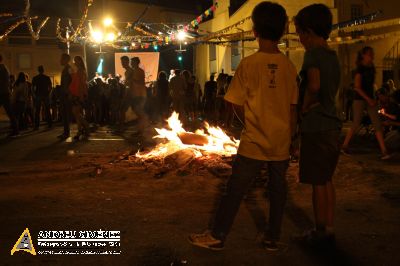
x: 135, y: 59
x: 316, y: 18
x: 40, y: 69
x: 269, y: 20
x: 125, y: 58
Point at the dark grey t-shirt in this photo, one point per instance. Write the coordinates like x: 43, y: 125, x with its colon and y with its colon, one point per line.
x: 324, y: 116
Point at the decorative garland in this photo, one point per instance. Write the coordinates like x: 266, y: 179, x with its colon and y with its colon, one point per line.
x: 75, y: 32
x: 11, y: 28
x: 35, y: 34
x: 194, y: 23
x: 357, y: 21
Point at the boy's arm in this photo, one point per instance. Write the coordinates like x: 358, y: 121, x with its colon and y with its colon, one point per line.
x: 239, y: 112
x: 313, y: 87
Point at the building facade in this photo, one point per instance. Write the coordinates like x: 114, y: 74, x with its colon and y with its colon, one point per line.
x: 215, y: 58
x: 386, y: 48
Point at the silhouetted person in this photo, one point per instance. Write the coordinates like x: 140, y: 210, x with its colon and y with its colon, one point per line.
x: 210, y: 92
x: 41, y: 87
x: 5, y: 86
x: 138, y: 92
x: 162, y: 94
x: 177, y: 86
x: 20, y: 98
x: 65, y: 95
x: 79, y: 92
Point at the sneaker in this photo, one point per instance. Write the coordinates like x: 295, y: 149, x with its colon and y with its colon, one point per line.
x: 206, y: 240
x: 317, y: 239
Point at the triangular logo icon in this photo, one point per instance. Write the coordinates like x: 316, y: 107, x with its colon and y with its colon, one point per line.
x: 24, y: 243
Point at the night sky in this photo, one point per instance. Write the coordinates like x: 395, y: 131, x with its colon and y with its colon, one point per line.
x: 70, y: 7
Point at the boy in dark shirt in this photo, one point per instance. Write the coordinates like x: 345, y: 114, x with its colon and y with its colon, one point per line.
x: 320, y: 126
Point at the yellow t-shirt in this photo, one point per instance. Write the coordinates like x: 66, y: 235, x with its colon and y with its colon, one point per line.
x: 265, y: 84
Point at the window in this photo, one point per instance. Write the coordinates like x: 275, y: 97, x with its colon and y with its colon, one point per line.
x: 235, y: 5
x: 24, y: 61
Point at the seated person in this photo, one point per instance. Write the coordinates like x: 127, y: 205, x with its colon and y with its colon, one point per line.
x: 386, y: 106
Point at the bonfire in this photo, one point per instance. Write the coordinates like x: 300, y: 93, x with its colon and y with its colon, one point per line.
x: 210, y: 147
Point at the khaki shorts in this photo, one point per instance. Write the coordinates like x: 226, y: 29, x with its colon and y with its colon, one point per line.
x: 358, y: 112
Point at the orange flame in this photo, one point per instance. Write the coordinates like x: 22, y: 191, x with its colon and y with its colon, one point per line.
x: 218, y: 142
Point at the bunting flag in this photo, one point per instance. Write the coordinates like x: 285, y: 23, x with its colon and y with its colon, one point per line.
x: 210, y: 11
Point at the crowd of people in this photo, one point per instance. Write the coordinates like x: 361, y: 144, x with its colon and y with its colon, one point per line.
x: 106, y: 101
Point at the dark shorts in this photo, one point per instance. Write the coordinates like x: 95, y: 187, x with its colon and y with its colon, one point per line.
x: 319, y: 155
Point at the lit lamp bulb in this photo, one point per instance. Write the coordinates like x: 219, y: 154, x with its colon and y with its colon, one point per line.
x: 97, y: 36
x: 107, y: 22
x: 110, y: 37
x: 181, y: 35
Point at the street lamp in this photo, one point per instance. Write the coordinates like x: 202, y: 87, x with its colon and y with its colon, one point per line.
x: 107, y: 22
x: 97, y: 36
x: 181, y: 35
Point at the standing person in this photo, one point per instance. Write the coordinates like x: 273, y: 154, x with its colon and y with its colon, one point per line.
x: 162, y: 94
x: 189, y: 94
x: 115, y: 101
x: 210, y: 92
x: 139, y: 93
x: 128, y: 83
x: 65, y: 100
x: 29, y: 116
x: 198, y: 95
x: 79, y: 92
x: 41, y: 87
x: 320, y: 125
x: 5, y: 86
x: 20, y: 99
x: 171, y: 74
x: 219, y: 101
x: 177, y: 87
x: 364, y: 99
x: 264, y: 88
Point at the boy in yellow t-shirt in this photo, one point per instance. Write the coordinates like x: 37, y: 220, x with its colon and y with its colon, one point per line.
x: 264, y: 90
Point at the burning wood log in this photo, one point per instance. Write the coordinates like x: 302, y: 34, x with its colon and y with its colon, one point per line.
x: 189, y: 138
x: 181, y: 158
